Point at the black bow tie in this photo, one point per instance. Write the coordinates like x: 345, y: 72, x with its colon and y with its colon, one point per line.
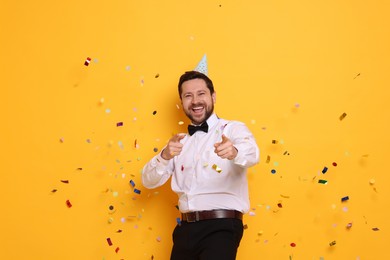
x: 203, y: 127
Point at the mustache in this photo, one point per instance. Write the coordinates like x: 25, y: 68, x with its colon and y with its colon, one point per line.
x: 197, y: 105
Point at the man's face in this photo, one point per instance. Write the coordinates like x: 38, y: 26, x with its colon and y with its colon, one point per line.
x: 197, y: 101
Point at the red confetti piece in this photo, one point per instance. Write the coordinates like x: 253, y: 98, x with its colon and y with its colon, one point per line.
x: 182, y: 168
x: 54, y: 190
x: 119, y: 231
x: 293, y: 245
x: 68, y: 204
x: 119, y: 124
x: 280, y: 205
x: 334, y: 164
x: 117, y: 250
x: 64, y: 181
x: 109, y: 241
x: 87, y: 61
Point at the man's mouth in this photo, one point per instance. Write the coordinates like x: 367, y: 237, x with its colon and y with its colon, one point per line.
x: 197, y: 109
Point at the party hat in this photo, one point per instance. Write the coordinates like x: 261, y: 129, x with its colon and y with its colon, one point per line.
x: 202, y: 66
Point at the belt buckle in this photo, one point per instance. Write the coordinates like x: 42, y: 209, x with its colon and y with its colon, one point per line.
x: 191, y: 220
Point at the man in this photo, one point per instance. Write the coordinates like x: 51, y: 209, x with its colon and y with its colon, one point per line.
x: 208, y: 169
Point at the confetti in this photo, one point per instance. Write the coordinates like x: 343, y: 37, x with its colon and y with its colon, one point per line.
x: 273, y: 171
x: 324, y: 170
x: 68, y: 204
x: 280, y: 205
x: 323, y: 181
x: 178, y: 221
x: 375, y: 229
x: 155, y: 149
x: 119, y: 124
x: 334, y: 164
x: 293, y: 245
x: 111, y: 209
x: 53, y: 191
x: 343, y: 116
x: 64, y: 181
x: 372, y: 181
x: 357, y: 76
x: 137, y: 191
x: 157, y: 75
x: 344, y: 198
x: 216, y: 168
x: 332, y: 243
x: 154, y: 112
x: 349, y: 225
x: 274, y: 141
x: 286, y: 153
x: 181, y: 123
x: 87, y: 61
x: 109, y: 241
x: 268, y: 159
x: 132, y: 183
x: 117, y: 250
x: 158, y: 239
x: 61, y: 140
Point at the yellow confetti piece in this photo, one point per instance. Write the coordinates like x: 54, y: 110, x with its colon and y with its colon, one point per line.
x: 268, y: 159
x: 343, y: 116
x: 181, y: 123
x: 215, y: 167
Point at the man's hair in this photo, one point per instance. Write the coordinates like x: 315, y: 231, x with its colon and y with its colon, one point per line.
x: 189, y: 75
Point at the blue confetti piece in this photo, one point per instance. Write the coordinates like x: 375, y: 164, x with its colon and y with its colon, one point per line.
x: 178, y: 220
x: 325, y: 170
x: 345, y: 198
x: 132, y: 183
x: 273, y: 171
x: 137, y: 191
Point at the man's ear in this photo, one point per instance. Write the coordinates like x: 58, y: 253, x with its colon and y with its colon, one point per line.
x: 214, y: 97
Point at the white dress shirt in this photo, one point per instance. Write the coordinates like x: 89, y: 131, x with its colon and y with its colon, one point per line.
x: 203, y: 180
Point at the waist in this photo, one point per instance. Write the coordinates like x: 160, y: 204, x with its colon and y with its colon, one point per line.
x: 210, y: 214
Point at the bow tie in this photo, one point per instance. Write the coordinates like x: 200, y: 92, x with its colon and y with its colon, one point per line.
x: 203, y: 127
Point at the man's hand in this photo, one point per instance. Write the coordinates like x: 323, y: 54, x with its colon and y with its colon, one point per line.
x: 225, y: 149
x: 173, y: 148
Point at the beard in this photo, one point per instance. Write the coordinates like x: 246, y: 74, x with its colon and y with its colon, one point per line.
x: 197, y: 121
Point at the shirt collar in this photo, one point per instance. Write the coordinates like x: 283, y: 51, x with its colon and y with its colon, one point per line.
x: 212, y: 120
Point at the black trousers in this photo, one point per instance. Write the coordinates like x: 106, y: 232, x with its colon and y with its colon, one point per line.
x: 214, y: 239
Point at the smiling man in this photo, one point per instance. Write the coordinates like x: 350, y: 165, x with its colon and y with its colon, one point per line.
x: 208, y: 167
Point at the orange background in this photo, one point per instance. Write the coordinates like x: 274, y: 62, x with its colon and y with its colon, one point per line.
x: 288, y: 69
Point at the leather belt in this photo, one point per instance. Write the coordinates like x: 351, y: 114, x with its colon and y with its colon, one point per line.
x: 210, y: 214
